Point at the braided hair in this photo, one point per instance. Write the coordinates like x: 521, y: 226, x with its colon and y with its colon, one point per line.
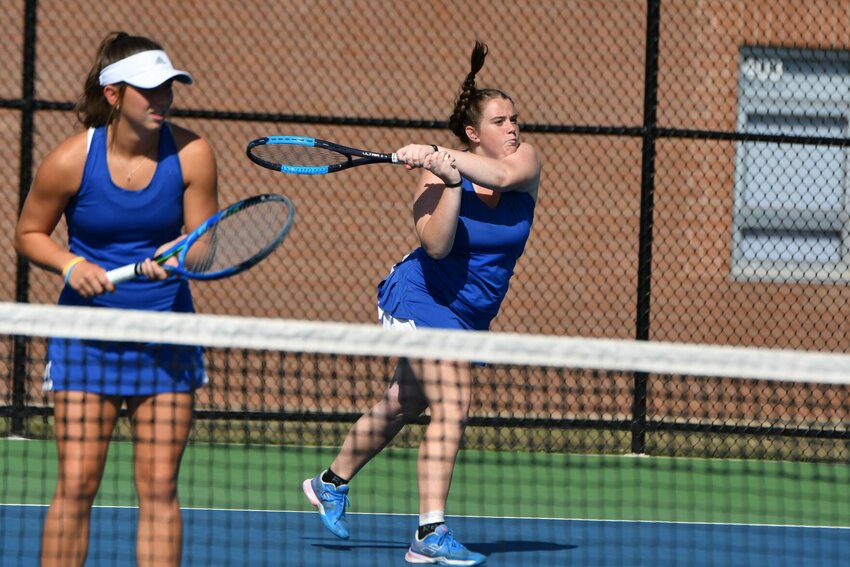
x: 470, y: 102
x: 92, y: 109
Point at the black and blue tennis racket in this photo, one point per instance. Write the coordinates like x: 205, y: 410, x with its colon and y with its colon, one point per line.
x: 308, y: 156
x: 229, y: 242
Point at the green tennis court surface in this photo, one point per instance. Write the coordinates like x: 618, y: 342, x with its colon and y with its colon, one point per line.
x: 531, y: 485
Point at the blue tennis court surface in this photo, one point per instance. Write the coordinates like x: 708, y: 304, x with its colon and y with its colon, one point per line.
x: 220, y: 538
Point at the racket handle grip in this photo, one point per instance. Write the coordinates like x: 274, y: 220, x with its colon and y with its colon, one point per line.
x: 124, y: 273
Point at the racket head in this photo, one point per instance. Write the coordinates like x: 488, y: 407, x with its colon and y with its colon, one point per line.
x: 234, y: 239
x: 301, y: 155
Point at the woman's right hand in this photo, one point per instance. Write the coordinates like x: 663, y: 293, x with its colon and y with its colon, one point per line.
x: 89, y: 280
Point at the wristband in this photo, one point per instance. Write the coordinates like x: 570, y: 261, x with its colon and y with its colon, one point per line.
x: 453, y: 185
x: 66, y: 271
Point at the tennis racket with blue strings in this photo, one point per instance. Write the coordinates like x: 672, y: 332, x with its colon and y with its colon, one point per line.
x: 310, y: 156
x: 231, y: 241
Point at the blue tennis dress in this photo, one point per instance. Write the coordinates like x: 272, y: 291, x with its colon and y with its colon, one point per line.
x: 111, y: 226
x: 464, y: 289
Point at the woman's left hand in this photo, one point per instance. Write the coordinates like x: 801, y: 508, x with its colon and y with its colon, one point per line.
x: 154, y: 271
x: 442, y: 164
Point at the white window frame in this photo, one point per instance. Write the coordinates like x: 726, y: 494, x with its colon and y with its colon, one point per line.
x: 767, y: 88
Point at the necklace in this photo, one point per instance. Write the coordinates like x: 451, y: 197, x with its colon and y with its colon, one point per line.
x: 142, y: 162
x: 135, y: 169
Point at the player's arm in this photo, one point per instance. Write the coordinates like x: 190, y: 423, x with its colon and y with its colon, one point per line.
x: 200, y: 177
x: 436, y: 207
x: 56, y: 181
x: 518, y: 171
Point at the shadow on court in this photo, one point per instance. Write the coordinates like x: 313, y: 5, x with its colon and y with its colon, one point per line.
x: 356, y: 546
x: 517, y: 546
x: 487, y: 548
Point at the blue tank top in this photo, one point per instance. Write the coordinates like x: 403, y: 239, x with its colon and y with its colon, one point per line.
x: 465, y: 289
x: 111, y: 226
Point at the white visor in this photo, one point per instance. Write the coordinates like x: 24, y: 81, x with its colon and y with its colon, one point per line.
x: 145, y: 70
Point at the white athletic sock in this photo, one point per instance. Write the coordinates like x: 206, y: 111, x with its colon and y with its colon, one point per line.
x: 433, y: 517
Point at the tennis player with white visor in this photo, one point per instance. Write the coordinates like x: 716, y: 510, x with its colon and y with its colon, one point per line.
x: 130, y: 184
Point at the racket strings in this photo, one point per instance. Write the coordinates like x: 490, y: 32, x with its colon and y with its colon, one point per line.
x: 238, y: 238
x: 295, y: 155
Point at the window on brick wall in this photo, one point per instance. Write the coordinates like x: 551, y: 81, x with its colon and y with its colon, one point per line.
x: 790, y: 218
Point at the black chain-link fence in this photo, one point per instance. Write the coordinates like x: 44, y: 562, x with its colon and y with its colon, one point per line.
x: 694, y: 190
x: 695, y: 176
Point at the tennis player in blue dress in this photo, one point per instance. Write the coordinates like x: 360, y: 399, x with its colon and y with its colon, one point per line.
x: 128, y: 185
x: 473, y: 211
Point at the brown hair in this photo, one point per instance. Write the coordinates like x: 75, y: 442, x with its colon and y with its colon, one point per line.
x: 92, y: 109
x: 470, y: 102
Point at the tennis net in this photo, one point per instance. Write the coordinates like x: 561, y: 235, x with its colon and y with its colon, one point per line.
x: 576, y: 451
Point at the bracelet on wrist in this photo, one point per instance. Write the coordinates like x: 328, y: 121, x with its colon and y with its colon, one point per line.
x: 68, y: 268
x: 453, y: 185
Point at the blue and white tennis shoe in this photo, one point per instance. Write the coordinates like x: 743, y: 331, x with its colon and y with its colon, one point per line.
x: 331, y: 502
x: 442, y: 548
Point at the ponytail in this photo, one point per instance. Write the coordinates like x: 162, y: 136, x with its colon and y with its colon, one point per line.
x: 470, y: 101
